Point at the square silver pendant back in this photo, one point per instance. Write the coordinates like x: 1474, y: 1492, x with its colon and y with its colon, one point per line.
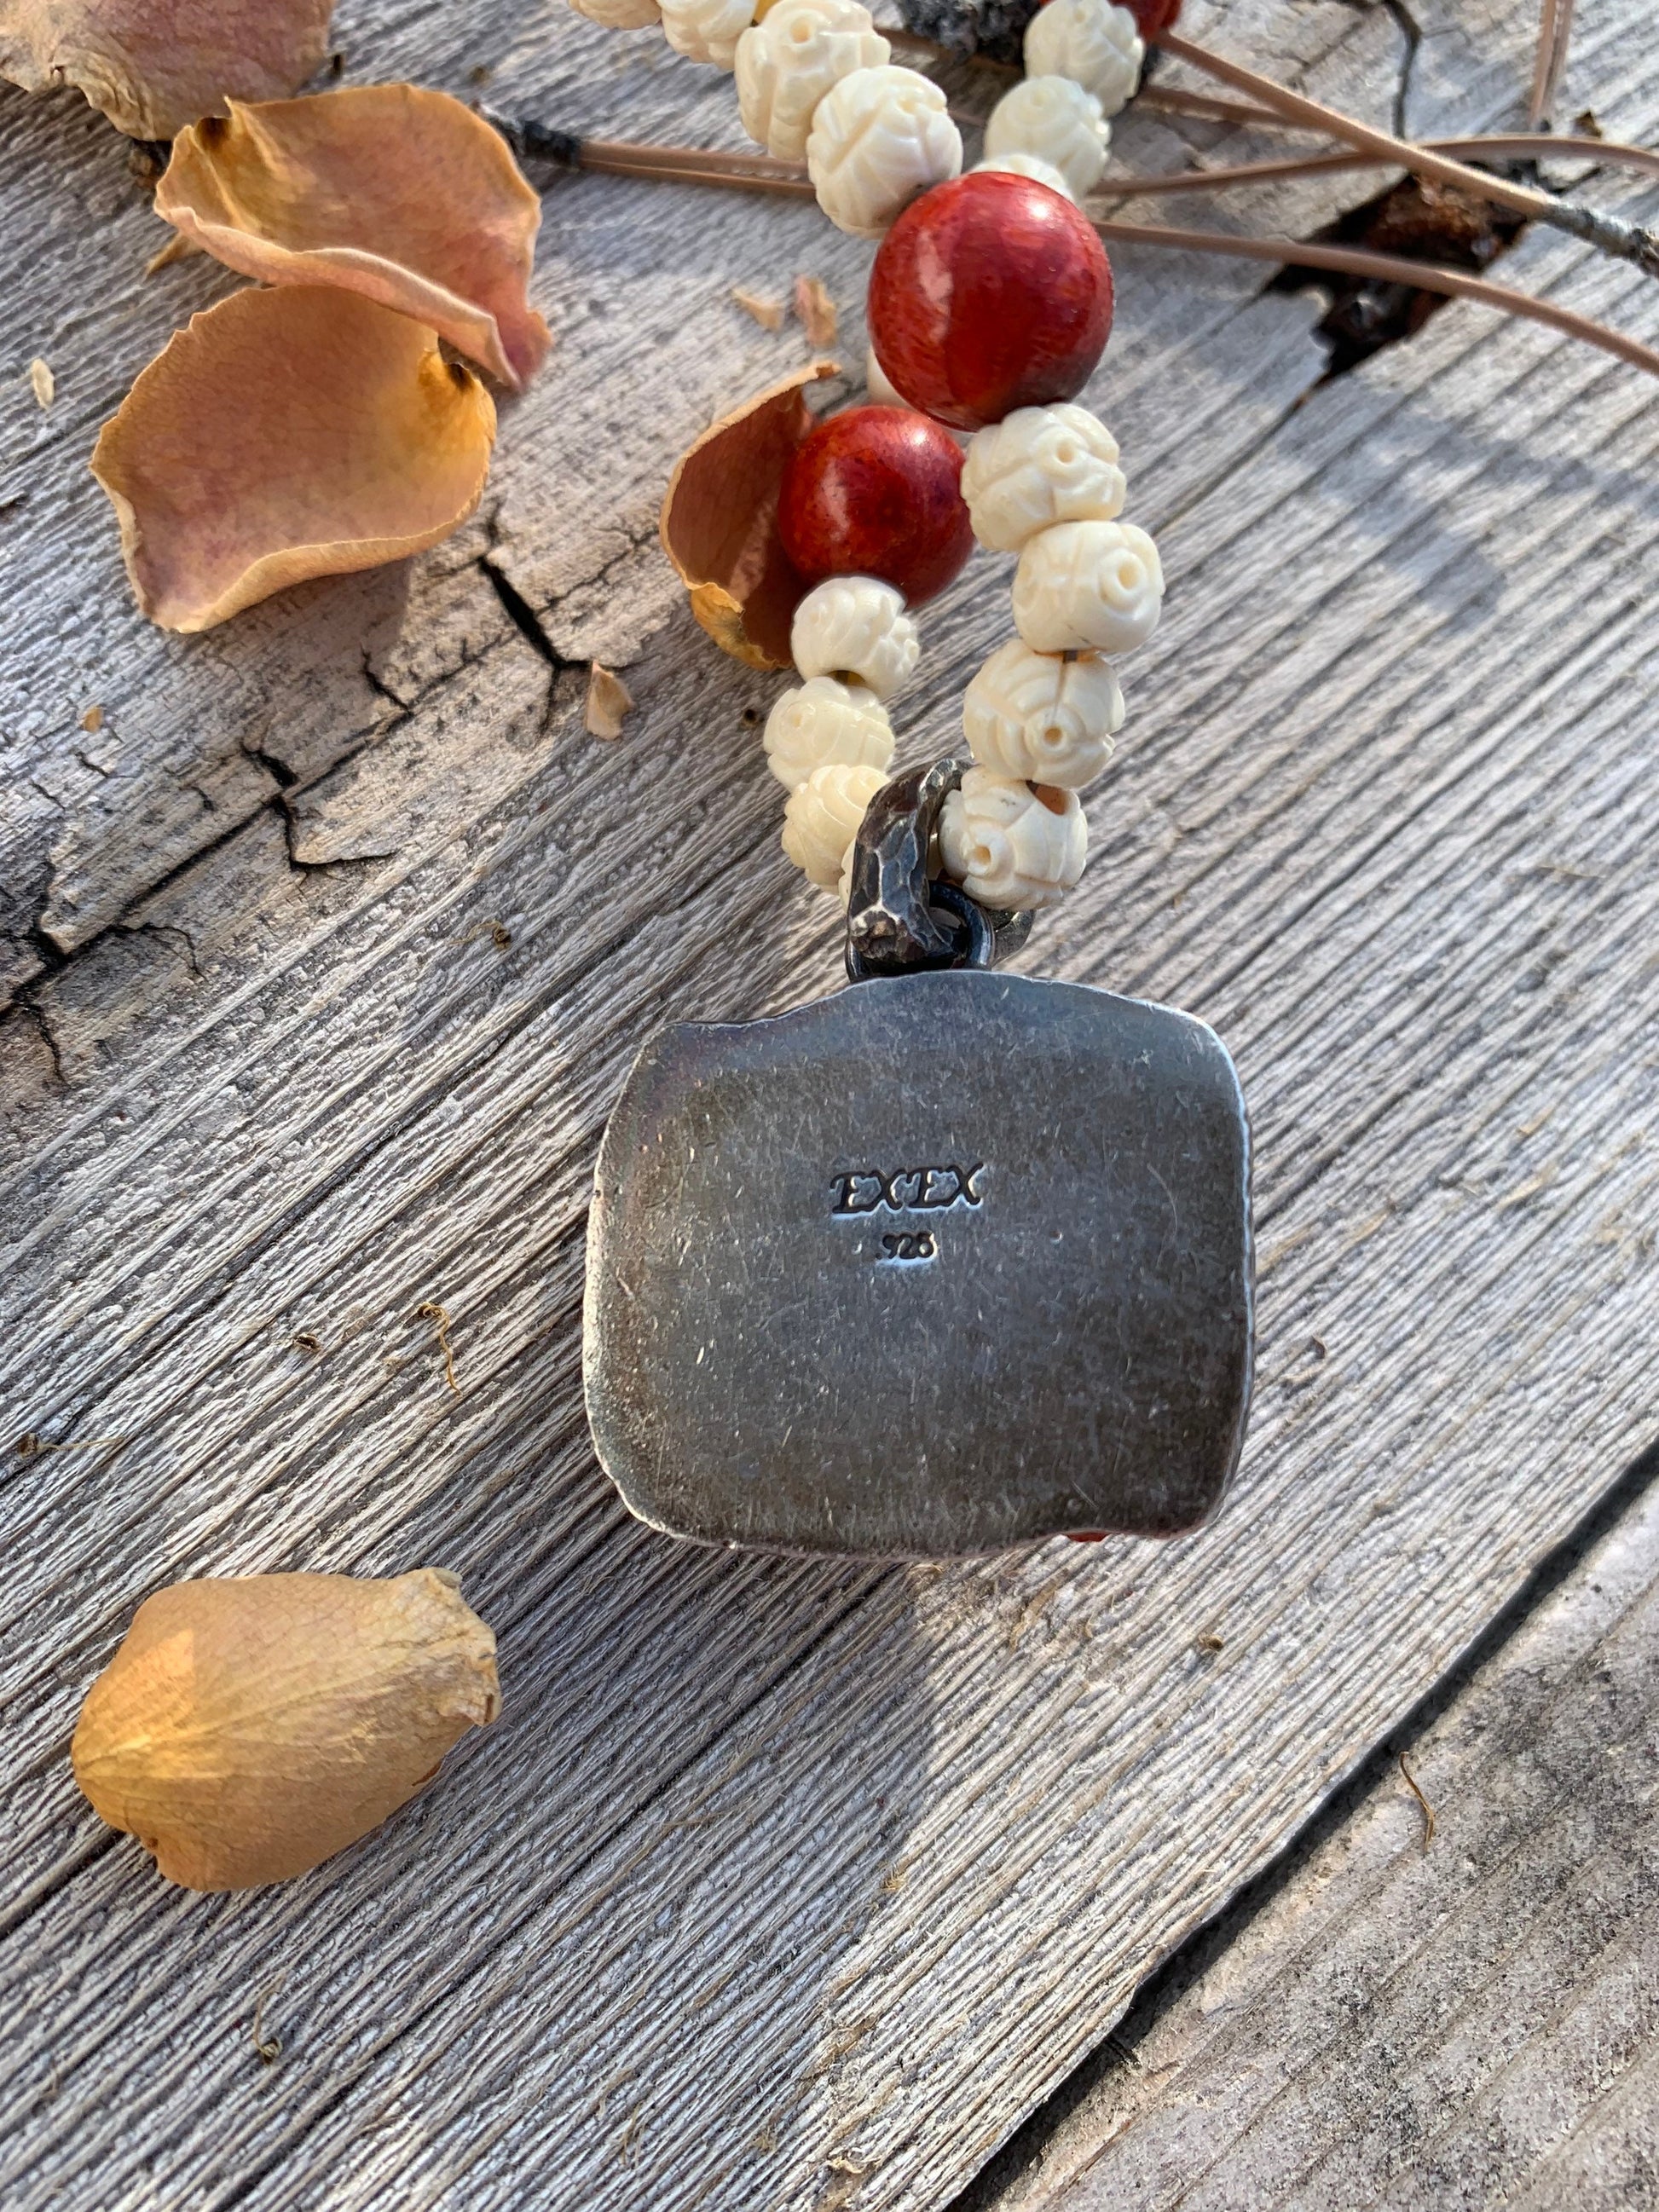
x: 944, y: 1263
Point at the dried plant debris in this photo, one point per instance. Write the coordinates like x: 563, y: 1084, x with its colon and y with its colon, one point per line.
x: 247, y: 1729
x: 401, y: 194
x: 282, y: 434
x: 768, y: 312
x: 609, y: 699
x: 152, y: 66
x: 1415, y: 221
x: 719, y: 522
x: 42, y: 382
x: 815, y: 311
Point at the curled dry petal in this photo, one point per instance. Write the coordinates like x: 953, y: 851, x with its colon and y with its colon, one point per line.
x: 152, y: 66
x: 401, y: 194
x: 248, y: 1729
x: 285, y: 435
x: 719, y: 522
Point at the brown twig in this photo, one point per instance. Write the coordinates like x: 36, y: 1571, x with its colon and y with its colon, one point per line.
x: 1609, y: 233
x: 1428, y: 1809
x: 434, y: 1313
x: 1524, y: 147
x: 759, y: 172
x: 1172, y: 100
x: 1424, y: 276
x: 1554, y: 36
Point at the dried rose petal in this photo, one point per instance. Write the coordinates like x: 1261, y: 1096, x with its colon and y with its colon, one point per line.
x: 401, y: 194
x: 719, y: 522
x: 285, y: 435
x: 152, y: 66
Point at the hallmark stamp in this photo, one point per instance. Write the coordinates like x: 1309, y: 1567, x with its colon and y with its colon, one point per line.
x: 908, y: 1190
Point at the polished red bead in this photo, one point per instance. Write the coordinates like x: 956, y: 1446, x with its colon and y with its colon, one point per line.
x: 1151, y: 16
x: 989, y: 293
x: 876, y: 491
x: 1154, y: 16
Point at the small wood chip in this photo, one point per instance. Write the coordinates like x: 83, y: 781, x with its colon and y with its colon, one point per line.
x: 817, y: 311
x: 607, y: 700
x: 768, y: 313
x: 93, y: 719
x: 42, y: 382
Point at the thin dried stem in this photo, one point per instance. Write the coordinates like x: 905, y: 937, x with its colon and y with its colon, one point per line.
x: 759, y: 172
x: 1554, y: 37
x: 1426, y: 276
x: 1610, y: 235
x: 1520, y: 148
x: 1171, y: 99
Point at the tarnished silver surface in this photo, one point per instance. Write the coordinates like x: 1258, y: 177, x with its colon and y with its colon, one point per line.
x: 899, y: 917
x: 943, y: 1263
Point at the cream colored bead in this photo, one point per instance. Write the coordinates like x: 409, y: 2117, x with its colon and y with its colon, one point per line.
x: 1058, y: 122
x: 707, y: 30
x: 1038, y: 466
x: 822, y: 723
x: 791, y: 58
x: 1038, y: 716
x: 822, y: 817
x: 856, y: 626
x: 879, y: 391
x: 1010, y: 846
x: 1029, y: 165
x: 1088, y: 587
x: 619, y: 15
x: 1091, y: 41
x: 877, y: 138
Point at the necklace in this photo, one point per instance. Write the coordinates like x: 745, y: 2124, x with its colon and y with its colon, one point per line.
x: 953, y: 1259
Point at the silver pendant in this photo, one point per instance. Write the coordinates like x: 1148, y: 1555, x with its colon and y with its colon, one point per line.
x: 946, y: 1262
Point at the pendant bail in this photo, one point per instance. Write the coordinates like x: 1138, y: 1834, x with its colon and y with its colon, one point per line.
x: 899, y: 917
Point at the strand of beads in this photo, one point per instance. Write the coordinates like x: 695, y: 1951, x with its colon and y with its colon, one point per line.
x: 990, y: 304
x: 815, y: 81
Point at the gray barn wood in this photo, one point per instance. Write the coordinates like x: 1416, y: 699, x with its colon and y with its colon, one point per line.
x: 780, y: 1884
x: 1462, y: 2015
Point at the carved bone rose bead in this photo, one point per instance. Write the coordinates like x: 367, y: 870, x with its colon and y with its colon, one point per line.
x: 1008, y: 845
x: 1091, y: 41
x: 856, y: 626
x: 822, y: 818
x: 619, y: 15
x: 792, y: 58
x: 1038, y: 466
x: 877, y: 138
x: 1036, y: 716
x: 1058, y: 121
x: 1088, y: 587
x: 707, y: 30
x: 823, y: 724
x: 1027, y: 165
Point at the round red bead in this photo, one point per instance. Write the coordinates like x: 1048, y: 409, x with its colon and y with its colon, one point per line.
x: 1154, y: 16
x: 876, y: 491
x: 1151, y: 16
x: 989, y: 293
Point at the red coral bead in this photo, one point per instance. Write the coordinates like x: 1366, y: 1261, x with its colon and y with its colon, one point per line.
x: 989, y: 293
x: 1151, y: 16
x: 1154, y: 16
x: 876, y: 491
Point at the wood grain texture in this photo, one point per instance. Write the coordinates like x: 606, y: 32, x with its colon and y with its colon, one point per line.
x: 780, y: 1884
x: 1469, y: 2018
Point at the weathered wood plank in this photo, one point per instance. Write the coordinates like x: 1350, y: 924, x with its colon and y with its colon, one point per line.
x: 1468, y: 2020
x: 781, y: 1883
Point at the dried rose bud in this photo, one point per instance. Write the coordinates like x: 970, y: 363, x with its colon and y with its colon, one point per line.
x: 247, y: 1729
